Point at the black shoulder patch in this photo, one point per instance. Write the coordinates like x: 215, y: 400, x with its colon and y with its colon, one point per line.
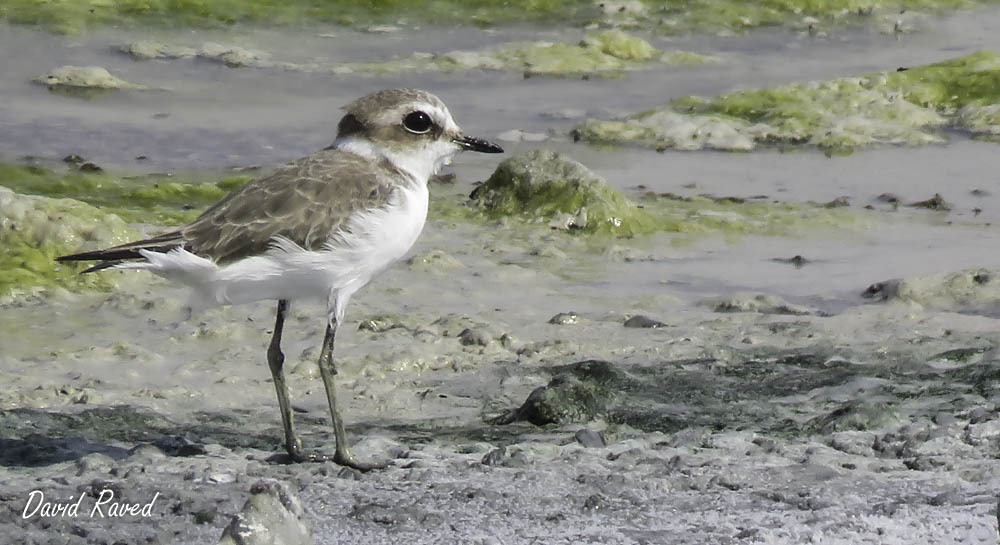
x: 349, y: 124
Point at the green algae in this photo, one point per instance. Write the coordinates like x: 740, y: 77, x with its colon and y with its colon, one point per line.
x: 906, y: 107
x: 604, y: 53
x: 720, y: 16
x: 35, y: 230
x: 738, y: 16
x: 545, y: 188
x: 45, y: 214
x: 143, y: 199
x: 73, y: 16
x: 599, y: 52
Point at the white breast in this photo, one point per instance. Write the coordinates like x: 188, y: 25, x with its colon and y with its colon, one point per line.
x: 375, y: 239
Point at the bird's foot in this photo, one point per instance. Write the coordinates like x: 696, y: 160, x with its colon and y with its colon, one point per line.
x: 347, y: 459
x: 342, y: 458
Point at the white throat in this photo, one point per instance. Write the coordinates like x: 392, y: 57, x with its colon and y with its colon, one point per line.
x: 421, y: 163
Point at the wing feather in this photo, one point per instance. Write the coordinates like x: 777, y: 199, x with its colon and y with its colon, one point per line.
x: 305, y: 202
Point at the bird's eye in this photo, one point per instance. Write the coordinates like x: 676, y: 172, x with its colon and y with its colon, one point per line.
x: 418, y: 122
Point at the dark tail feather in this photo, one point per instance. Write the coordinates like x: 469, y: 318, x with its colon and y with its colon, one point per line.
x: 110, y: 257
x: 100, y: 266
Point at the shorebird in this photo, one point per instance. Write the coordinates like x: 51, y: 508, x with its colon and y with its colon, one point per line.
x: 320, y: 227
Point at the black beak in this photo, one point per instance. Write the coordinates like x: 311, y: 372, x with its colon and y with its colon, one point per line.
x: 477, y: 144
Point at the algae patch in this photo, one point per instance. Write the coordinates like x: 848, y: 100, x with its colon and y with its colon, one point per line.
x: 73, y: 16
x: 907, y: 107
x: 45, y: 214
x: 812, y: 17
x: 35, y: 230
x: 545, y: 188
x: 603, y: 53
x: 721, y: 16
x: 147, y: 199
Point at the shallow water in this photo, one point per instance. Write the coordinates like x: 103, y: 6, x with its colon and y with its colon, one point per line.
x: 212, y: 117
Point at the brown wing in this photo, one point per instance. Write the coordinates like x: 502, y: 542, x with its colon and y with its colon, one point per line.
x: 306, y: 202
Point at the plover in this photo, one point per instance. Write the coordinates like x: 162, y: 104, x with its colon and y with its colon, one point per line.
x: 319, y: 227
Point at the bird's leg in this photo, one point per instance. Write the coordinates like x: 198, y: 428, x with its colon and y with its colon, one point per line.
x: 328, y: 370
x: 275, y: 360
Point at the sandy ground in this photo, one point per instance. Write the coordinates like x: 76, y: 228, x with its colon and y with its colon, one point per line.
x: 773, y: 404
x: 875, y: 425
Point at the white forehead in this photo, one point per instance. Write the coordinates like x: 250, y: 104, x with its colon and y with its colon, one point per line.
x: 436, y: 110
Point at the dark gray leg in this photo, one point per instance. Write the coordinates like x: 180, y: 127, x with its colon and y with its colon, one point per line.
x: 275, y: 360
x: 328, y: 370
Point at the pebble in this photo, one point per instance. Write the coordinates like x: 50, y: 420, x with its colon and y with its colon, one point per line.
x: 565, y: 318
x: 640, y: 321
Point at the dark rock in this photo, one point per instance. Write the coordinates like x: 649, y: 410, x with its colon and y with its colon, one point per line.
x: 495, y: 457
x: 978, y: 415
x: 882, y: 291
x: 590, y: 438
x: 839, y: 202
x: 936, y: 202
x: 921, y: 463
x: 595, y: 502
x: 855, y: 415
x: 640, y: 321
x: 797, y: 260
x: 474, y: 337
x: 579, y: 393
x: 206, y: 515
x: 179, y: 445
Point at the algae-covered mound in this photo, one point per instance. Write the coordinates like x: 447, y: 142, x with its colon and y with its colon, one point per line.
x: 971, y: 290
x: 87, y: 77
x: 548, y: 187
x: 907, y: 107
x: 35, y: 230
